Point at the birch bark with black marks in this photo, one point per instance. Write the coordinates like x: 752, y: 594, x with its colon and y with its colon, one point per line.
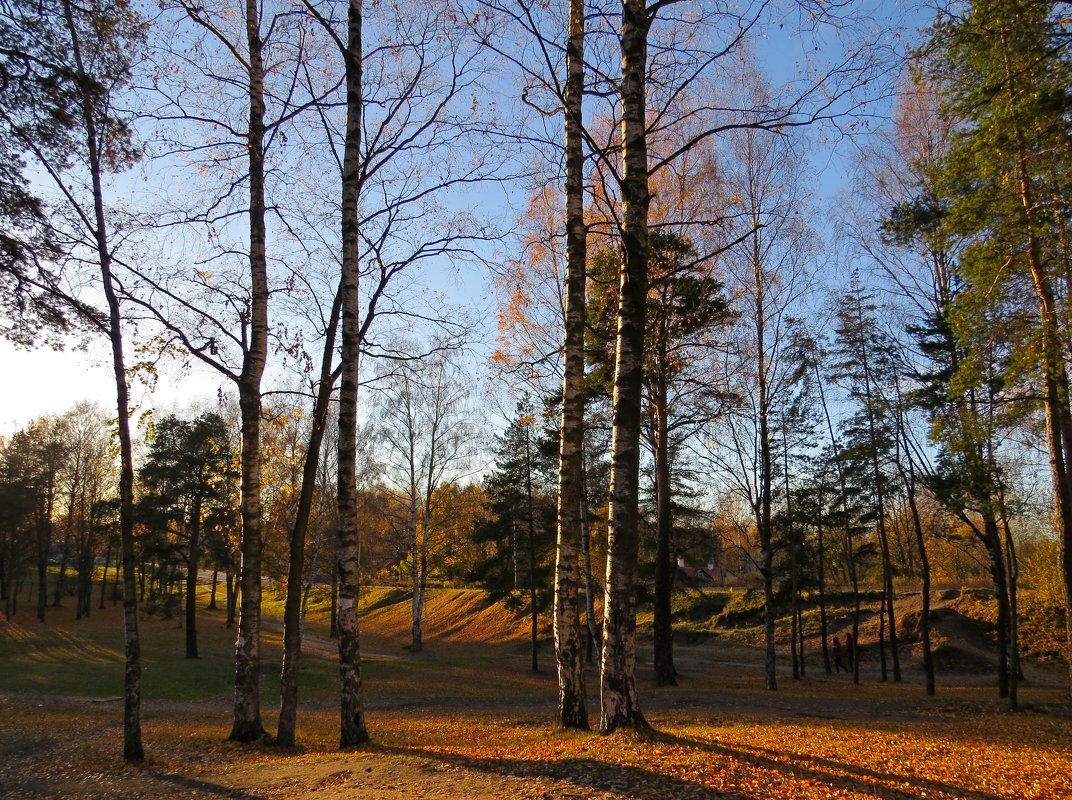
x: 352, y: 730
x: 572, y: 703
x: 619, y: 703
x: 247, y: 725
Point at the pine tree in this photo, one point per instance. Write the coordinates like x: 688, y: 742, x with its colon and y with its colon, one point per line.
x: 76, y: 60
x: 864, y: 364
x: 188, y: 478
x: 1003, y: 70
x: 684, y: 305
x: 521, y: 532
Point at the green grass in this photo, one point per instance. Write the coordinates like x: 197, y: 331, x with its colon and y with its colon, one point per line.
x: 85, y: 658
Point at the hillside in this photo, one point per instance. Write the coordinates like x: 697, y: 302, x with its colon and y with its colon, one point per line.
x: 467, y: 718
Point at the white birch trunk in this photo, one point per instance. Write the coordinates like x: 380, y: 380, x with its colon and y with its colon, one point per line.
x: 572, y: 704
x: 618, y: 661
x: 352, y: 730
x: 247, y: 725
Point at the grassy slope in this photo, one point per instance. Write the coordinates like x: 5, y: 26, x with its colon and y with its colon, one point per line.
x: 84, y: 658
x: 468, y: 706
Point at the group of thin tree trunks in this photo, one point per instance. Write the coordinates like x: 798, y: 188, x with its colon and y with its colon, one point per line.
x: 875, y: 459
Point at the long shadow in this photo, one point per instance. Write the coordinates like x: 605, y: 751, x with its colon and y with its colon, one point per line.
x: 599, y: 775
x: 192, y: 784
x: 585, y: 774
x: 826, y: 770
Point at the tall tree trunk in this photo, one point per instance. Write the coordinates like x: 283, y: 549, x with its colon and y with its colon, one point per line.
x: 996, y: 552
x: 572, y: 703
x: 292, y: 608
x: 247, y: 725
x: 215, y: 583
x: 1013, y: 576
x: 352, y: 730
x: 663, y: 631
x: 620, y: 707
x: 104, y: 578
x: 132, y: 743
x: 1058, y: 415
x: 823, y: 624
x: 533, y: 617
x: 192, y: 566
x: 925, y: 576
x: 1055, y: 382
x: 766, y: 478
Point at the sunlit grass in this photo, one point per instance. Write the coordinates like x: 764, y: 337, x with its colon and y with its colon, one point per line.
x: 471, y: 705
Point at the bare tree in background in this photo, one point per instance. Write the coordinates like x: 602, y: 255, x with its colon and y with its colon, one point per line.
x: 422, y: 420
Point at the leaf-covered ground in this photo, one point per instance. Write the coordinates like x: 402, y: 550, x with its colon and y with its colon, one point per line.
x: 466, y: 719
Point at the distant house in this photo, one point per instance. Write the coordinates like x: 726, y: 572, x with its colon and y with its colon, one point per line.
x: 708, y: 574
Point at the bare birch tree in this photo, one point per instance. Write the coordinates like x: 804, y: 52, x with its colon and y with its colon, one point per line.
x: 427, y: 438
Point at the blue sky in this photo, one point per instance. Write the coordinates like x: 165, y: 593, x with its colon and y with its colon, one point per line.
x: 51, y: 382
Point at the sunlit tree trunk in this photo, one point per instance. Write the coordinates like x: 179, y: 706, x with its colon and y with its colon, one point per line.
x: 572, y: 704
x: 620, y: 707
x: 247, y: 725
x: 133, y: 749
x: 352, y: 730
x: 296, y: 591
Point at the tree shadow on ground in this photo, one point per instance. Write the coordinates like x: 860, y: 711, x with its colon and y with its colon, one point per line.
x: 836, y: 774
x: 590, y: 774
x: 585, y: 774
x: 173, y: 784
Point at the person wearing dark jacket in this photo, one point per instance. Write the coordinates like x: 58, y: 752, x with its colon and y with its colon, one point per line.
x: 838, y: 665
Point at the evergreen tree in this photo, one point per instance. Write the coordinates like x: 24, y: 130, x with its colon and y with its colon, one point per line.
x: 188, y: 479
x: 864, y: 363
x: 1003, y: 71
x: 522, y: 529
x: 684, y: 304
